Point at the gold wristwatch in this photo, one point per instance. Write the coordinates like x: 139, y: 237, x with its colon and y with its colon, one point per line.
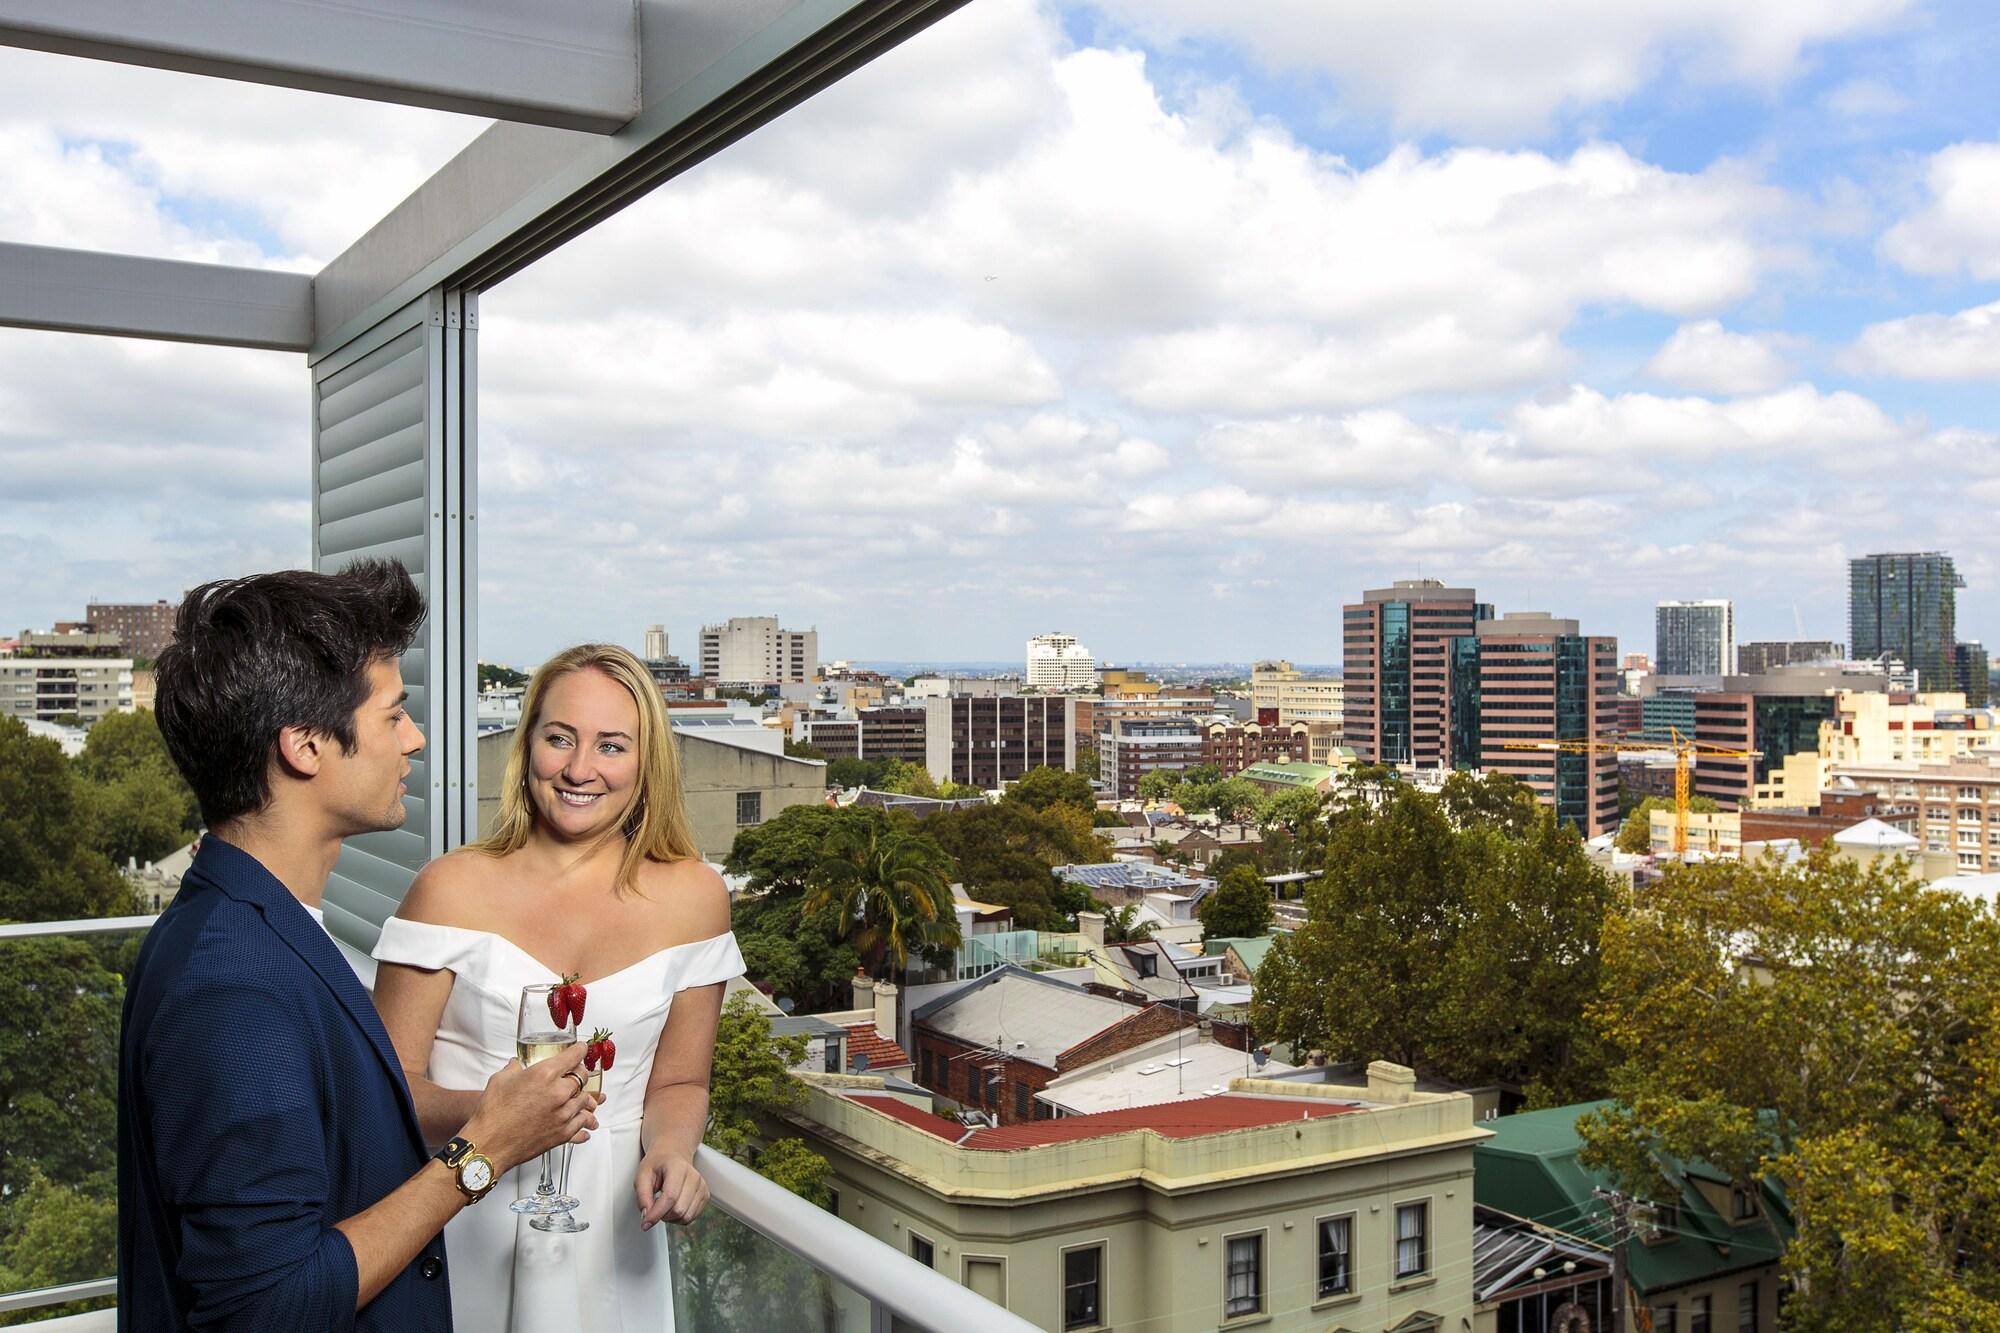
x: 471, y: 1169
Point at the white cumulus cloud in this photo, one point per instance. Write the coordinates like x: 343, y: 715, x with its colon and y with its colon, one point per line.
x: 1954, y: 231
x: 1963, y: 346
x: 1708, y: 358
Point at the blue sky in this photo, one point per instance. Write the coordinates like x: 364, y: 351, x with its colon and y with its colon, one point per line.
x: 1170, y: 324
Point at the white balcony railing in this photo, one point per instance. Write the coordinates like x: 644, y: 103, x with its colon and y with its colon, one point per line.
x: 762, y: 1260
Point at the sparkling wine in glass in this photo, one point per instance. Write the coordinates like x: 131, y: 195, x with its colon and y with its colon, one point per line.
x: 566, y: 1222
x: 537, y: 1037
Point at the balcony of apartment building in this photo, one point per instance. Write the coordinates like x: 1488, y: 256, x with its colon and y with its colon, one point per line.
x: 593, y: 104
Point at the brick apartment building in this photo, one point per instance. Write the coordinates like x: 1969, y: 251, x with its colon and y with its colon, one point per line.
x: 873, y: 733
x: 1529, y: 678
x: 1130, y: 748
x: 143, y: 629
x: 996, y: 1043
x: 1233, y: 748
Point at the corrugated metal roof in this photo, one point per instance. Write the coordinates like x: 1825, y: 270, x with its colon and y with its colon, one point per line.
x: 1024, y: 1016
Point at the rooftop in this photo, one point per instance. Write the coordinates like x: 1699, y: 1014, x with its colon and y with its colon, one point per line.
x: 1191, y: 1119
x: 1148, y: 1075
x: 1028, y: 1017
x: 1132, y: 875
x: 863, y: 1041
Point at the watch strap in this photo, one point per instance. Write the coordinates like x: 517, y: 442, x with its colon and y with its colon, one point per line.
x: 454, y: 1151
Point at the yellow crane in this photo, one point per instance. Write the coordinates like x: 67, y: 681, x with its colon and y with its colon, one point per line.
x: 1685, y: 749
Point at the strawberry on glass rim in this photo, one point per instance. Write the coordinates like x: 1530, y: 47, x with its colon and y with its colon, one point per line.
x: 566, y: 1001
x: 601, y: 1051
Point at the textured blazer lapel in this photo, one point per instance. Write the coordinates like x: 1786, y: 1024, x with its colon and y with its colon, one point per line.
x: 243, y: 877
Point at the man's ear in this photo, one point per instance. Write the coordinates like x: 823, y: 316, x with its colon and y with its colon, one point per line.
x: 301, y: 751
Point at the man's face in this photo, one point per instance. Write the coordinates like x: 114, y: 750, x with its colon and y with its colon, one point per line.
x: 364, y: 790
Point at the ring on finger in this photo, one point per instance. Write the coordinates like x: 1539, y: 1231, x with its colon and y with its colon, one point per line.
x: 581, y: 1081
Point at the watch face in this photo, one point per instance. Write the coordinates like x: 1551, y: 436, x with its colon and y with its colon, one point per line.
x: 477, y: 1173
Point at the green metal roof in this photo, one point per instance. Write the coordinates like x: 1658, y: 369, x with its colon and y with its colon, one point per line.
x: 1530, y: 1168
x: 1290, y: 775
x: 1252, y: 951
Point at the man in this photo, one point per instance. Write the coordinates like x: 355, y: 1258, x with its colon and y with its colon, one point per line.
x: 272, y: 1175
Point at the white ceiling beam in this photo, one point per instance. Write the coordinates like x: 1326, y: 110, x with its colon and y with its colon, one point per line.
x: 572, y: 64
x: 81, y: 291
x: 711, y: 72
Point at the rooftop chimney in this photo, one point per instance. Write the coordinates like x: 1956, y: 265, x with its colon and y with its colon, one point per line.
x: 1390, y: 1084
x: 1091, y: 925
x: 885, y: 1010
x: 864, y: 990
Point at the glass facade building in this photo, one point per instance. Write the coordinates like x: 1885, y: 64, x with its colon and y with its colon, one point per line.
x: 1905, y: 606
x: 1396, y: 643
x: 1695, y: 638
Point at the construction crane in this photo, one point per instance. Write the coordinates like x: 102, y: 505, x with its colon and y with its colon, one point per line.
x: 1685, y: 749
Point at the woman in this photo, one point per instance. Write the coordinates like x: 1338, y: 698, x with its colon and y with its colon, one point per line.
x: 591, y: 870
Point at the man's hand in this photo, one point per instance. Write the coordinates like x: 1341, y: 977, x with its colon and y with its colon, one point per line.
x: 669, y: 1189
x: 526, y: 1111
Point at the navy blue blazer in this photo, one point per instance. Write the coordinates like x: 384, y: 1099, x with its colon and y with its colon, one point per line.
x: 259, y: 1103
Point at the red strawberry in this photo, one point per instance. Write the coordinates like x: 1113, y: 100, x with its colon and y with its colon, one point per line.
x: 598, y: 1054
x: 558, y: 1007
x: 573, y: 996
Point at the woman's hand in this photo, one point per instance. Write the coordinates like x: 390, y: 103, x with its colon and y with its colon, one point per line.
x: 669, y: 1189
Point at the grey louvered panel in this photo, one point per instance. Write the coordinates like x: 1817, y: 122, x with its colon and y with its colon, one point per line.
x: 374, y: 423
x: 393, y: 486
x: 414, y: 664
x: 410, y: 550
x: 418, y: 705
x: 419, y: 776
x: 373, y: 527
x: 396, y: 449
x: 399, y: 845
x: 380, y: 875
x: 350, y: 928
x: 392, y: 369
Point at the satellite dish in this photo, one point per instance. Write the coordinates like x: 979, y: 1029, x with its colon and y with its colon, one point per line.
x: 786, y: 1003
x: 860, y: 1064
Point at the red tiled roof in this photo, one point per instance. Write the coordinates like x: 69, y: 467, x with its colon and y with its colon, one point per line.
x: 862, y: 1039
x: 949, y: 1130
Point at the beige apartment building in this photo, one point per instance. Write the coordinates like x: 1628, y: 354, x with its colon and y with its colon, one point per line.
x: 72, y: 678
x: 1958, y: 806
x: 1282, y: 695
x: 755, y: 650
x: 1872, y: 728
x: 1270, y: 1204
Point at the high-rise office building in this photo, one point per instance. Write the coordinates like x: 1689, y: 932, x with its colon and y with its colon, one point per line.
x: 1974, y: 672
x: 1529, y: 679
x: 1059, y: 662
x: 1395, y: 643
x: 1695, y: 638
x: 656, y: 643
x: 1905, y: 606
x: 1756, y: 659
x: 753, y: 650
x: 989, y: 742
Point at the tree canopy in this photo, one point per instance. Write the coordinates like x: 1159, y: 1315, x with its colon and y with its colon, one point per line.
x: 890, y: 889
x: 1239, y: 907
x: 1004, y: 854
x: 1041, y: 788
x: 1636, y: 833
x: 1440, y: 940
x: 50, y: 865
x: 1837, y: 1027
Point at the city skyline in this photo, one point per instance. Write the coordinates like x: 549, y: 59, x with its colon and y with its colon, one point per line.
x: 1101, y: 304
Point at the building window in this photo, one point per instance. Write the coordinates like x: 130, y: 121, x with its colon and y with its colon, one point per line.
x: 749, y: 807
x: 1243, y: 1278
x: 1742, y: 1203
x: 833, y: 1202
x: 1020, y: 1101
x: 1698, y: 1312
x: 1413, y: 1249
x: 1083, y: 1287
x: 1336, y: 1256
x: 1668, y: 1320
x: 1746, y: 1308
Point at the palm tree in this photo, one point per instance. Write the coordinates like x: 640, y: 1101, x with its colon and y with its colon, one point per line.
x: 891, y: 889
x: 1120, y: 928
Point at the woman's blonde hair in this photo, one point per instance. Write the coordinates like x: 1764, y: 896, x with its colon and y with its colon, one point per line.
x: 655, y: 827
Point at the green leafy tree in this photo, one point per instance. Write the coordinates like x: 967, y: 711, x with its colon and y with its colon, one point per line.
x: 1458, y: 950
x: 1495, y: 801
x: 1238, y: 907
x: 1835, y: 1027
x: 803, y: 750
x: 798, y: 953
x: 141, y: 808
x: 1158, y: 785
x: 1086, y: 762
x: 1040, y: 788
x: 1005, y: 854
x: 1636, y: 833
x: 52, y: 1235
x: 49, y: 867
x: 781, y: 854
x: 890, y: 888
x: 870, y: 773
x: 492, y: 673
x: 1234, y: 800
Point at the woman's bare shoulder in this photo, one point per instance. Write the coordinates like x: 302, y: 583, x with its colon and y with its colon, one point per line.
x: 692, y: 892
x: 443, y: 890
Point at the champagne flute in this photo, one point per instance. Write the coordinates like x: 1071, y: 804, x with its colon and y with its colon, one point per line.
x: 537, y: 1037
x: 566, y: 1221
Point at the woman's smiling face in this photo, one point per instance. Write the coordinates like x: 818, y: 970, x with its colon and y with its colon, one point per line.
x: 583, y: 760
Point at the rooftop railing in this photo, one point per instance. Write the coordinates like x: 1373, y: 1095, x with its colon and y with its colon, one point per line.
x: 760, y: 1260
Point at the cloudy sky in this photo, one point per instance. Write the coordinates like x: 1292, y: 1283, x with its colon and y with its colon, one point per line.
x: 1169, y: 323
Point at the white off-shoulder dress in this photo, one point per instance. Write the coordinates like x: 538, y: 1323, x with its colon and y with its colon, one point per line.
x: 613, y: 1278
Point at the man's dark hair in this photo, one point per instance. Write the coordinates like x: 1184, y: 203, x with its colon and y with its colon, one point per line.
x: 253, y: 656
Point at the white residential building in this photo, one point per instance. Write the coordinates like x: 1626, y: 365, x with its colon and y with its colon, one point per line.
x: 754, y: 650
x: 656, y: 643
x: 52, y: 687
x: 1059, y: 662
x: 1277, y: 688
